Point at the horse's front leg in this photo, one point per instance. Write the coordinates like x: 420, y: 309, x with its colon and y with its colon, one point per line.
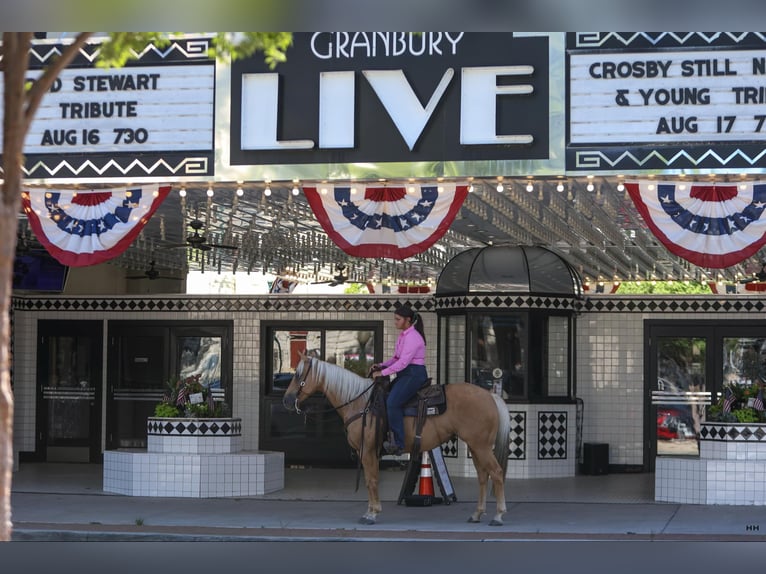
x: 370, y: 464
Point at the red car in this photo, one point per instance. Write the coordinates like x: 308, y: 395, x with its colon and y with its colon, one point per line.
x: 668, y: 424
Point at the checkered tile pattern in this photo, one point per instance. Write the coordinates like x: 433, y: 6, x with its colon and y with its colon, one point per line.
x: 449, y: 448
x: 552, y: 437
x: 518, y: 444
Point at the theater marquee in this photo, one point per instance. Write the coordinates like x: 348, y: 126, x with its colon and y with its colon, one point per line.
x: 395, y: 104
x: 666, y: 102
x: 153, y: 117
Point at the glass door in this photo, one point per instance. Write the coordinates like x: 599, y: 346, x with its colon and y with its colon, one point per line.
x: 681, y: 393
x: 139, y: 360
x: 69, y: 391
x: 688, y: 364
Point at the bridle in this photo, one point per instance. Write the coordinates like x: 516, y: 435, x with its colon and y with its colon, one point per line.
x: 302, y: 383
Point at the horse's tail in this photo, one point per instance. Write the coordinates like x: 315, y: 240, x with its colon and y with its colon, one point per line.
x: 503, y: 436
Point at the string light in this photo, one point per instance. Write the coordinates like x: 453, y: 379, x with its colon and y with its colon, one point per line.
x: 182, y: 192
x: 267, y: 191
x: 560, y: 187
x: 240, y: 191
x: 209, y: 192
x: 530, y: 187
x: 296, y: 191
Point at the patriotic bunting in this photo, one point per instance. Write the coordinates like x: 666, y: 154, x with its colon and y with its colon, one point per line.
x: 391, y: 222
x: 81, y: 228
x: 710, y: 225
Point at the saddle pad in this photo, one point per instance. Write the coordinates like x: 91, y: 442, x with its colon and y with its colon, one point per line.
x: 435, y: 401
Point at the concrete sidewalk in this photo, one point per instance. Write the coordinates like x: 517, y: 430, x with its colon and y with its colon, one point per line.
x: 65, y: 503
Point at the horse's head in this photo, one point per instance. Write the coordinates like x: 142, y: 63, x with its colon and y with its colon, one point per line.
x: 302, y: 385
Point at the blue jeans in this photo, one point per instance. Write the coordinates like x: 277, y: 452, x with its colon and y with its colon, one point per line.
x: 408, y: 382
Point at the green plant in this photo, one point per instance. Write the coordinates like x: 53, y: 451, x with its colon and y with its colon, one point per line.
x: 166, y: 411
x: 739, y: 410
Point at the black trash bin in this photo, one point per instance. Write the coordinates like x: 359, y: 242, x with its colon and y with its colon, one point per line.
x: 595, y: 458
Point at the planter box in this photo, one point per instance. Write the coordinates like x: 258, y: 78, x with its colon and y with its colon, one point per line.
x: 731, y: 468
x: 193, y: 457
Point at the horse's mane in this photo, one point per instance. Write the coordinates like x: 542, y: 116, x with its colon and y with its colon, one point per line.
x: 346, y: 384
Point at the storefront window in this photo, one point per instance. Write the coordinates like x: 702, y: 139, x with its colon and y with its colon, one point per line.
x: 499, y: 353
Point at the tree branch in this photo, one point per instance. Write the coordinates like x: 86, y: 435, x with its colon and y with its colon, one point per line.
x: 45, y: 81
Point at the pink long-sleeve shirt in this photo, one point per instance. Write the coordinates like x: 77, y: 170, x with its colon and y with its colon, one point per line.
x: 410, y: 350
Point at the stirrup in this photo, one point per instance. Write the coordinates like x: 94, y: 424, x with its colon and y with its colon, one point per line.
x: 392, y: 448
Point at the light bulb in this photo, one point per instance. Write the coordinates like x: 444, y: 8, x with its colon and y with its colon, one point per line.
x: 470, y: 188
x: 182, y: 192
x: 560, y: 187
x: 590, y: 187
x: 530, y: 187
x: 296, y: 191
x: 240, y: 192
x: 267, y: 191
x: 210, y: 192
x: 499, y: 187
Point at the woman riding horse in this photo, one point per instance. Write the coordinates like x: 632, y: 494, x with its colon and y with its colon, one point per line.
x: 473, y: 414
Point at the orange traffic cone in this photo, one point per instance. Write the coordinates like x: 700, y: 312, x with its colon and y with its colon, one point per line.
x: 426, y: 486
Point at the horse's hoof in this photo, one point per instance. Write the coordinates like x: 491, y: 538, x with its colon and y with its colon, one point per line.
x: 496, y: 522
x: 366, y: 520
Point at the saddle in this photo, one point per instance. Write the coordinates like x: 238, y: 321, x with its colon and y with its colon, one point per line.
x: 430, y: 400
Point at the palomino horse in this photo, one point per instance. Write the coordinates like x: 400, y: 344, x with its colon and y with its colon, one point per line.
x: 475, y: 415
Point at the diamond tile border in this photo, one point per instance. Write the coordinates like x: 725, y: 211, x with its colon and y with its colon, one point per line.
x: 427, y: 303
x: 733, y: 432
x: 192, y: 303
x: 193, y: 427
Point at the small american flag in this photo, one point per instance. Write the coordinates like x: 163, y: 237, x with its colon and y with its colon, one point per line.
x: 728, y: 400
x: 182, y: 393
x: 758, y: 402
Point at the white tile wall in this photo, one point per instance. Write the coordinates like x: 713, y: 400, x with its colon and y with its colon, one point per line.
x: 609, y: 375
x: 531, y: 466
x: 727, y: 472
x: 141, y: 473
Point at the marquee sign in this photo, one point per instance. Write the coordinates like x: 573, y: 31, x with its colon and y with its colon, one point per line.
x: 666, y: 102
x: 153, y: 117
x: 396, y: 104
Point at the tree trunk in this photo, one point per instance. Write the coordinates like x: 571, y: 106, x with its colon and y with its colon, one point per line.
x: 19, y: 107
x: 14, y: 70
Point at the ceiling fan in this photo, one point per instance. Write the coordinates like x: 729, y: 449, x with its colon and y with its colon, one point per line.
x: 339, y: 279
x: 152, y: 273
x: 198, y: 241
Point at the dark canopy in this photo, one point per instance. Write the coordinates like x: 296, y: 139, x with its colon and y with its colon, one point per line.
x: 505, y: 269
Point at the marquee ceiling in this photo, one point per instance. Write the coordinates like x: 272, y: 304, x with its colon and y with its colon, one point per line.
x: 598, y: 231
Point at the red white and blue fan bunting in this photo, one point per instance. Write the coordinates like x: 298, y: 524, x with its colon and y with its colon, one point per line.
x: 391, y: 222
x: 710, y: 225
x: 81, y: 228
